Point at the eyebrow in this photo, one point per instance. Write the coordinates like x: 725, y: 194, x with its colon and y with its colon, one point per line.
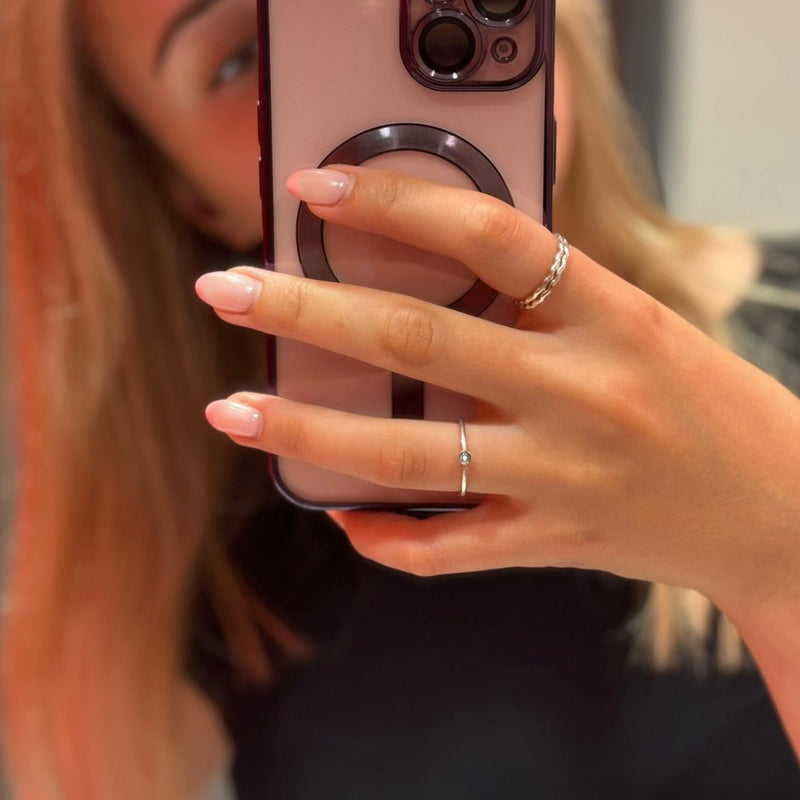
x: 179, y: 22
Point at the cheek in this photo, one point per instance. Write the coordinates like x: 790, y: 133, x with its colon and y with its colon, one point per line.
x: 216, y: 153
x: 227, y: 175
x: 564, y: 113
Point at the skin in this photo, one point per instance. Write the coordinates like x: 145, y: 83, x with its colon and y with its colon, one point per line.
x: 648, y: 450
x: 206, y: 128
x: 612, y: 435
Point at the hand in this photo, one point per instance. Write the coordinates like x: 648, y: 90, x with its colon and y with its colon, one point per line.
x: 610, y: 434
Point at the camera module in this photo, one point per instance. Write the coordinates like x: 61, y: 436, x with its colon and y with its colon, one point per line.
x: 473, y: 45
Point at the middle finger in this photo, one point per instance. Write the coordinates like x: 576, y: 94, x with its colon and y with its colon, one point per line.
x: 394, y: 332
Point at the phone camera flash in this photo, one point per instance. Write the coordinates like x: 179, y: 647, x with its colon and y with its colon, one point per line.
x: 504, y: 50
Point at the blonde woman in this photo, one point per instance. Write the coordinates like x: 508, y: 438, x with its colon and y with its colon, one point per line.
x: 167, y: 620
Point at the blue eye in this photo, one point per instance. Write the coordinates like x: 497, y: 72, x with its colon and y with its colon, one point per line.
x: 237, y: 64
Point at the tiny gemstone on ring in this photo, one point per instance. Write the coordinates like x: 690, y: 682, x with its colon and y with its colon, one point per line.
x: 465, y: 458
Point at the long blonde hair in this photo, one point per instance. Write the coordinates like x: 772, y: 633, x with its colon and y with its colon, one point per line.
x: 120, y: 485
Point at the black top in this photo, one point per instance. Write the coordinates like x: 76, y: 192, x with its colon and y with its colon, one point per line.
x: 510, y: 684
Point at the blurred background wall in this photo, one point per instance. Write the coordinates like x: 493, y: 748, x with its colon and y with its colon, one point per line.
x: 717, y: 83
x: 731, y: 144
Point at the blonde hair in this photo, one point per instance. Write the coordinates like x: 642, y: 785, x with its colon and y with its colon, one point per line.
x: 120, y: 482
x: 120, y: 485
x: 607, y: 206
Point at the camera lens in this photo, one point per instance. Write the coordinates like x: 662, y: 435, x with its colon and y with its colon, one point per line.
x: 448, y: 46
x: 499, y: 10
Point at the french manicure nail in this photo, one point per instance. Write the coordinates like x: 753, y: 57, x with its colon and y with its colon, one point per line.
x: 235, y: 419
x: 228, y: 291
x: 322, y: 187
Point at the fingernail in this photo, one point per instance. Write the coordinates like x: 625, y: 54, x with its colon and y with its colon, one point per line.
x: 235, y: 419
x: 228, y: 291
x: 321, y: 187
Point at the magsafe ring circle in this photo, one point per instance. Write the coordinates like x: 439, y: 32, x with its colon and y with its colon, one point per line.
x: 411, y: 137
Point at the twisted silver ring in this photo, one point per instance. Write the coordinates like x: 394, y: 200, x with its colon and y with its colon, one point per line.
x: 538, y: 296
x: 464, y: 457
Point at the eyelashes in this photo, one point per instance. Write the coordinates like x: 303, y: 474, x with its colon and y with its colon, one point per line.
x: 217, y: 54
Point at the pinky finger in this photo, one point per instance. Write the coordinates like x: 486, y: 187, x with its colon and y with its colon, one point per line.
x: 482, y: 538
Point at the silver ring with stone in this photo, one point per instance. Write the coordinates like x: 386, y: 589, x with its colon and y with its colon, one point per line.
x: 464, y: 457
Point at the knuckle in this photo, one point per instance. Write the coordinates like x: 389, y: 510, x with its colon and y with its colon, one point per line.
x: 411, y: 336
x: 290, y: 304
x: 402, y: 463
x: 620, y: 408
x: 288, y: 437
x: 580, y: 542
x: 386, y: 194
x: 489, y: 224
x: 646, y: 318
x: 418, y: 558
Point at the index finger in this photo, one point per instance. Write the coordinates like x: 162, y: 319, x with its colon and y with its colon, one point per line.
x: 508, y: 250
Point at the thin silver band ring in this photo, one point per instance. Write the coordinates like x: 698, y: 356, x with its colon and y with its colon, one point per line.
x: 464, y: 457
x: 539, y: 295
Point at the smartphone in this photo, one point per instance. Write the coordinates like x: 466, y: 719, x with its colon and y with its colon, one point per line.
x: 456, y: 91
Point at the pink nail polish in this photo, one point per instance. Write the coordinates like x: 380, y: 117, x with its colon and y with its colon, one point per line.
x: 322, y: 187
x: 228, y: 291
x: 235, y: 419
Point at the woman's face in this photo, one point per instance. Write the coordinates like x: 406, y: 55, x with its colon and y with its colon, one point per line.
x: 187, y: 71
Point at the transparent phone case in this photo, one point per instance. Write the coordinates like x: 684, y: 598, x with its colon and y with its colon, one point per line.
x: 345, y: 82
